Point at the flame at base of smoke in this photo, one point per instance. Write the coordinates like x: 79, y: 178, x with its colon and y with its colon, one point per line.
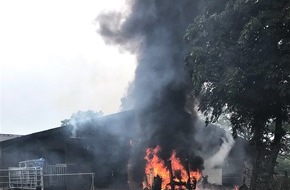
x: 155, y: 166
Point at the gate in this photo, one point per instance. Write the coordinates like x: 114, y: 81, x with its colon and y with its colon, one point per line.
x: 29, y: 175
x: 56, y: 175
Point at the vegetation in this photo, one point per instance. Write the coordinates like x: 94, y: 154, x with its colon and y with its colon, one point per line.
x: 239, y: 60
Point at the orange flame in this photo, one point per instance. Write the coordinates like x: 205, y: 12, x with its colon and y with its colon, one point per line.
x: 156, y: 166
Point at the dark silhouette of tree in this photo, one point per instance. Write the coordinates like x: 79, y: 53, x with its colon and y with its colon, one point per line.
x: 239, y: 60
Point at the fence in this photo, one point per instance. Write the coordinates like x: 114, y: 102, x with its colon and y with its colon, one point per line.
x: 4, y: 179
x: 72, y: 181
x: 26, y: 179
x: 55, y: 180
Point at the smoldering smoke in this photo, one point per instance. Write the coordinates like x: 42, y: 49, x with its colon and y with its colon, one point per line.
x: 154, y: 32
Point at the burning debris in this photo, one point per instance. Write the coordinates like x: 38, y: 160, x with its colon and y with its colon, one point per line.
x: 169, y: 175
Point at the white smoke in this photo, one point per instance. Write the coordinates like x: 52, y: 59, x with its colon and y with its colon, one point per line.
x: 80, y: 118
x: 218, y: 159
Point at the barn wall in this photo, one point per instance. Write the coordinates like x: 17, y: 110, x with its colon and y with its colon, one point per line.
x: 101, y: 147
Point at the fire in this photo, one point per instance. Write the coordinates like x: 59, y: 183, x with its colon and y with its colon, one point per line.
x: 156, y: 166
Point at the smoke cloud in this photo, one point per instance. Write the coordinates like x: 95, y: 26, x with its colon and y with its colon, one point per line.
x: 219, y: 157
x: 153, y: 30
x: 80, y: 119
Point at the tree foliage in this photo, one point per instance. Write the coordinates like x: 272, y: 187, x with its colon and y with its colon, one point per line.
x: 239, y: 60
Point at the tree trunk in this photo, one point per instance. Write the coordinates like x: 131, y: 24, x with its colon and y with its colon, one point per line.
x: 256, y: 182
x: 258, y: 126
x: 264, y: 164
x: 275, y: 148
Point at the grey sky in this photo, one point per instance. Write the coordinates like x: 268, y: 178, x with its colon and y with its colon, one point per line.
x: 53, y: 63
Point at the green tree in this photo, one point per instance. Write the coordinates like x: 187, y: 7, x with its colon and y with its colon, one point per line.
x: 239, y: 60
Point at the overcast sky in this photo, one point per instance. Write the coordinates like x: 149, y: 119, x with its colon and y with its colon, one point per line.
x: 53, y: 63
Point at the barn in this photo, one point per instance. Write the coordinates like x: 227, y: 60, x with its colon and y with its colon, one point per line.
x: 96, y: 153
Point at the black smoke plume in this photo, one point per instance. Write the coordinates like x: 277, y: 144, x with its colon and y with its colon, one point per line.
x: 154, y: 31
